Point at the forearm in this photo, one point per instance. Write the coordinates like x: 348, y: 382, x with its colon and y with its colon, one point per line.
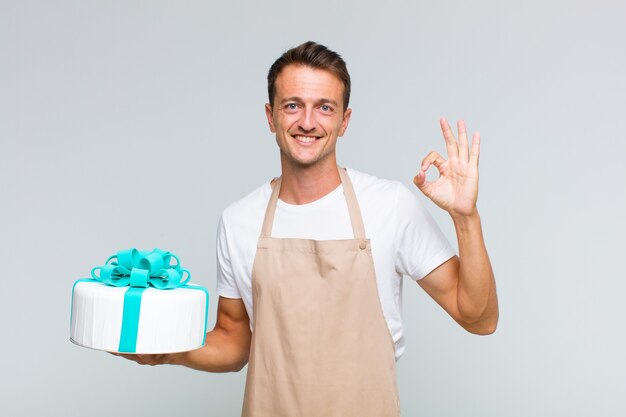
x: 222, y: 352
x: 476, y: 293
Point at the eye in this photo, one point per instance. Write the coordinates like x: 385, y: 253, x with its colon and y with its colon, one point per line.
x: 326, y: 108
x: 291, y: 106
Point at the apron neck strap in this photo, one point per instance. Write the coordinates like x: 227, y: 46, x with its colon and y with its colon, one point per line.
x: 348, y: 190
x: 353, y: 204
x: 268, y: 221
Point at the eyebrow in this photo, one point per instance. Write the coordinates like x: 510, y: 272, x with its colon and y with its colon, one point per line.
x: 299, y: 100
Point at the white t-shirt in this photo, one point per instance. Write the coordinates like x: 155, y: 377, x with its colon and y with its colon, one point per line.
x: 405, y: 239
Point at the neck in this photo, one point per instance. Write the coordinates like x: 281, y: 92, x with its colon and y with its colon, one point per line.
x: 305, y: 184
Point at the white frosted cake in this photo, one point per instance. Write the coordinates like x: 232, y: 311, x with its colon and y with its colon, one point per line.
x: 165, y: 321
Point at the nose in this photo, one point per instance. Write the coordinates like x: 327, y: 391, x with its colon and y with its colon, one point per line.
x: 307, y: 121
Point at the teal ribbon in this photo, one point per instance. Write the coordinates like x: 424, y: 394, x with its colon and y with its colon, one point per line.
x: 140, y: 270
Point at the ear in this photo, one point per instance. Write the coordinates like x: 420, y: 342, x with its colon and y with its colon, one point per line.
x: 270, y: 118
x: 345, y: 121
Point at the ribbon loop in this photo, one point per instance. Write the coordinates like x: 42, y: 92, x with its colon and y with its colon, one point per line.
x: 153, y: 262
x: 170, y: 278
x: 186, y: 280
x: 128, y: 258
x: 139, y: 277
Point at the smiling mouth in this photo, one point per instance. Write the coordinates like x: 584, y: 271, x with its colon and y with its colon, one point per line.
x: 305, y: 139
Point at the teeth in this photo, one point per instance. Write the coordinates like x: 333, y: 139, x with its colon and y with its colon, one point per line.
x: 305, y: 139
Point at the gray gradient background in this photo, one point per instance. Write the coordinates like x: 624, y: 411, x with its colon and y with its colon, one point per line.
x: 135, y: 123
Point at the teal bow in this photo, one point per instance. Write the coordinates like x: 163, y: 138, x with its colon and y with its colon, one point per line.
x: 158, y: 268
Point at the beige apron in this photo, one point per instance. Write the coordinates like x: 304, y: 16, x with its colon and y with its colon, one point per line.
x: 320, y: 343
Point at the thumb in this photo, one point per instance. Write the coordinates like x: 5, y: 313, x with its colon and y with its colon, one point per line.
x: 420, y: 181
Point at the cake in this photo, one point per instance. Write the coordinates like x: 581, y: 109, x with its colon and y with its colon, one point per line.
x: 108, y: 315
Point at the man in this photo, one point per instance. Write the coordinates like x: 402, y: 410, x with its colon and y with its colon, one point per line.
x: 310, y: 264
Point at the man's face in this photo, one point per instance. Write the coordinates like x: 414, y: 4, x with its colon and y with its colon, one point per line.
x: 307, y: 115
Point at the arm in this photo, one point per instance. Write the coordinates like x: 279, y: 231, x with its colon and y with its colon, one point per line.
x: 226, y: 347
x: 464, y: 286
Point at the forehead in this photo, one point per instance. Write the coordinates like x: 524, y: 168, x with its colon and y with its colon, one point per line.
x: 306, y: 82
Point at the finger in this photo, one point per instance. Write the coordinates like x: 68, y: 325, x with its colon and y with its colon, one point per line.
x: 123, y: 355
x: 463, y: 145
x: 475, y: 151
x: 433, y: 158
x: 152, y: 359
x: 420, y: 181
x: 135, y: 357
x: 451, y: 145
x: 147, y: 359
x: 129, y: 356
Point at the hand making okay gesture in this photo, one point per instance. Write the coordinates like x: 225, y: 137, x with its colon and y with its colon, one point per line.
x: 456, y: 189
